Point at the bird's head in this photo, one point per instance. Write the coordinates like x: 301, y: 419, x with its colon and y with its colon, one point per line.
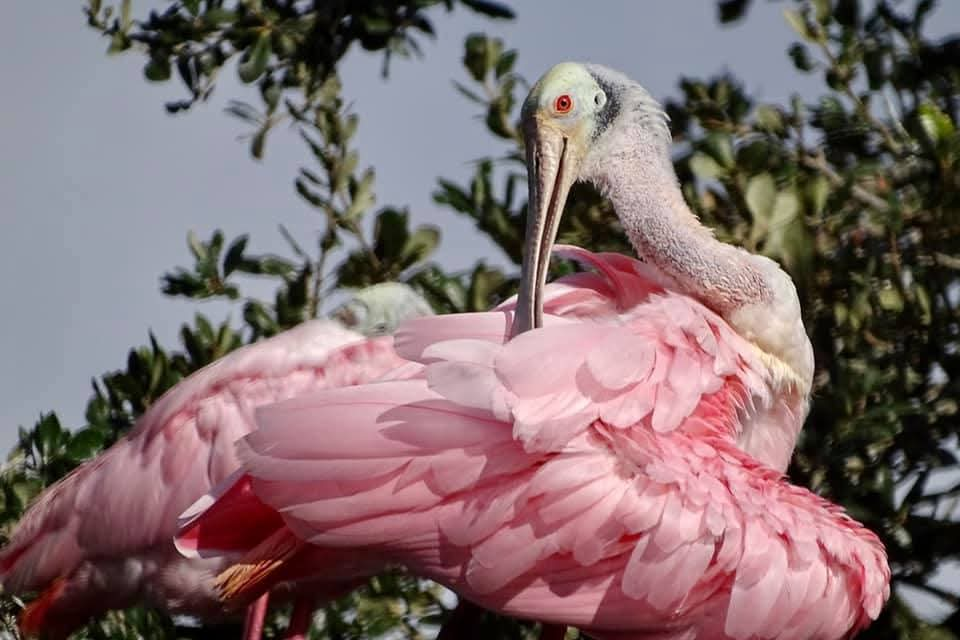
x: 379, y: 309
x: 571, y: 119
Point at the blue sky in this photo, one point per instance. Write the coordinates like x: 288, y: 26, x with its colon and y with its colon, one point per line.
x: 98, y: 186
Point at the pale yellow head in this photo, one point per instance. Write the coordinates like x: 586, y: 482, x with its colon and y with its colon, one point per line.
x: 567, y: 100
x: 565, y: 114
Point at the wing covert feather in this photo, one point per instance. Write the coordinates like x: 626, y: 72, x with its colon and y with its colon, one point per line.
x: 179, y: 448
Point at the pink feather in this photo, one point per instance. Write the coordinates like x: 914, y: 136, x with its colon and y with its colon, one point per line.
x: 522, y: 475
x: 101, y: 538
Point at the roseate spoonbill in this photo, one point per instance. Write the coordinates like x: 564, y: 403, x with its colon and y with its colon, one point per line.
x: 615, y: 466
x: 379, y: 309
x: 102, y: 537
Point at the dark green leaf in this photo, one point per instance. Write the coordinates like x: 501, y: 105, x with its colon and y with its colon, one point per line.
x: 799, y: 23
x: 390, y: 234
x: 84, y: 444
x: 801, y: 58
x: 157, y: 69
x: 505, y: 63
x: 731, y: 10
x: 255, y: 63
x: 420, y: 245
x: 936, y: 124
x: 234, y: 254
x: 490, y: 8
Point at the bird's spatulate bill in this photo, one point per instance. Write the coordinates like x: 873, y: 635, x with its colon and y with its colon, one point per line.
x: 551, y: 170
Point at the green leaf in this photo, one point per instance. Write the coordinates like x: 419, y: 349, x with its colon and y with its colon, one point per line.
x: 760, y: 195
x: 197, y: 248
x: 125, y: 20
x: 923, y: 301
x: 234, y: 255
x: 271, y: 93
x: 770, y: 118
x: 244, y: 111
x: 756, y: 154
x: 890, y: 299
x: 276, y: 266
x: 704, y: 166
x: 376, y: 24
x: 256, y: 61
x: 800, y: 56
x: 157, y: 69
x: 936, y: 124
x: 490, y: 9
x: 818, y: 190
x: 874, y: 63
x: 85, y: 444
x: 309, y: 195
x: 118, y: 42
x: 731, y: 10
x: 484, y: 283
x: 259, y: 319
x: 49, y: 434
x: 361, y: 196
x: 786, y: 237
x: 216, y: 245
x: 481, y: 55
x: 799, y: 24
x: 823, y: 10
x: 26, y: 489
x: 720, y: 147
x: 420, y: 245
x: 390, y: 234
x: 453, y: 196
x: 218, y: 15
x: 847, y: 12
x: 259, y: 141
x: 506, y: 62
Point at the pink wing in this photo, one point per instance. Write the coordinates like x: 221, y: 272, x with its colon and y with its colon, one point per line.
x: 111, y: 521
x: 622, y: 530
x: 587, y: 473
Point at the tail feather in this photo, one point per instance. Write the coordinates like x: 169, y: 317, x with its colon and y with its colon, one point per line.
x: 35, y: 619
x: 256, y: 572
x: 209, y: 527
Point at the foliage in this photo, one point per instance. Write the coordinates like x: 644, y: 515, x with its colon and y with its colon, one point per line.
x: 854, y: 191
x: 287, y: 49
x: 857, y: 194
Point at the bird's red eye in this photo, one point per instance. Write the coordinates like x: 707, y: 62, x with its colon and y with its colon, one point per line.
x: 563, y: 104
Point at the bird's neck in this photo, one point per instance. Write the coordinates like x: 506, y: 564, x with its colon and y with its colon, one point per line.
x: 752, y: 293
x: 640, y: 181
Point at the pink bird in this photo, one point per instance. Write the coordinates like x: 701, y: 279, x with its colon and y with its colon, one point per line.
x: 615, y: 467
x: 101, y: 538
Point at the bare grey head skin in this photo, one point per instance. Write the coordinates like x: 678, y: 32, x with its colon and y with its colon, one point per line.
x: 378, y: 310
x: 591, y: 123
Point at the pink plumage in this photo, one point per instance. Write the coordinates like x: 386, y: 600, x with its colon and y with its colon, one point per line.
x: 600, y: 472
x: 101, y: 538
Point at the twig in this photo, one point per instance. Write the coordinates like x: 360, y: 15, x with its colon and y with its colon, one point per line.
x: 820, y: 164
x: 317, y: 293
x: 861, y: 108
x: 366, y: 246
